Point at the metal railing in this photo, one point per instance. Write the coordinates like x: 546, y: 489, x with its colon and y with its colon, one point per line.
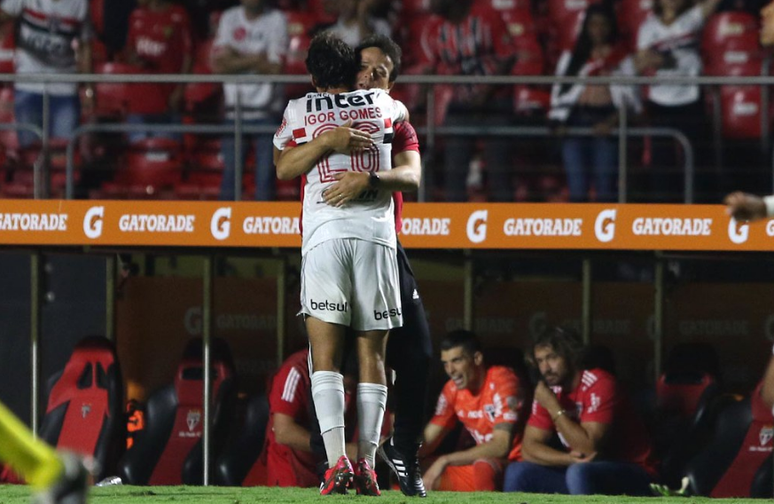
x: 431, y: 131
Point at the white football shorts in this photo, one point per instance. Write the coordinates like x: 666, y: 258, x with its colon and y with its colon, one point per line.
x: 353, y: 283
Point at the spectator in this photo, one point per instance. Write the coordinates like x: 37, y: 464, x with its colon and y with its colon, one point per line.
x: 252, y: 38
x: 606, y: 449
x: 668, y: 46
x: 489, y: 403
x: 289, y: 458
x: 52, y: 38
x: 472, y: 39
x: 115, y: 21
x: 160, y: 41
x: 598, y: 51
x: 356, y: 22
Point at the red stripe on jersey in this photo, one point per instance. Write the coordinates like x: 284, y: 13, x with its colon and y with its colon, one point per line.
x: 388, y: 123
x: 45, y: 17
x: 299, y: 133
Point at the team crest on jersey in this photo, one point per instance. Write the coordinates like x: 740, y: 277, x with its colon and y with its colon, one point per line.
x: 490, y: 411
x: 765, y: 435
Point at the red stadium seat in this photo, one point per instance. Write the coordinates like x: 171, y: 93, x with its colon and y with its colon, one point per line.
x: 151, y: 165
x: 737, y: 461
x: 631, y: 15
x: 57, y: 165
x: 565, y: 18
x: 680, y: 394
x: 169, y: 450
x: 122, y: 98
x: 7, y: 47
x: 741, y: 110
x: 729, y: 37
x: 199, y: 93
x: 323, y: 11
x: 8, y: 138
x: 413, y: 7
x: 97, y: 15
x: 202, y: 181
x: 300, y: 26
x: 85, y: 405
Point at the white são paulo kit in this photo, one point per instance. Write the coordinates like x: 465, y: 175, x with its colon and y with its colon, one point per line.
x: 349, y: 274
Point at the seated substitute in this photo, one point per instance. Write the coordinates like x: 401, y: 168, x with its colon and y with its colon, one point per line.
x: 490, y: 404
x: 602, y: 446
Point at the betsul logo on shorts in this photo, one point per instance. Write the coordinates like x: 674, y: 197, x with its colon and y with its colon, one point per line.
x: 387, y: 314
x: 604, y: 227
x: 328, y: 306
x: 477, y: 226
x: 92, y: 222
x: 220, y: 225
x: 738, y: 232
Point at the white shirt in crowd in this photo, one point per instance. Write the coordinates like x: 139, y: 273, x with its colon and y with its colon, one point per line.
x: 371, y: 217
x: 267, y: 33
x: 680, y: 40
x: 622, y: 95
x: 351, y: 34
x: 49, y: 32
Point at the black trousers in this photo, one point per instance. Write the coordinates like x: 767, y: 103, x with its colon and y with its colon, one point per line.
x: 409, y: 351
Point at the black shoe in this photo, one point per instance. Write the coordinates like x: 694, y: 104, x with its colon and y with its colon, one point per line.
x: 405, y: 468
x: 72, y: 485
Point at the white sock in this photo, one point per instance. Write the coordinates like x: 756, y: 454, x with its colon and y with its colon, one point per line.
x: 328, y: 396
x: 371, y: 402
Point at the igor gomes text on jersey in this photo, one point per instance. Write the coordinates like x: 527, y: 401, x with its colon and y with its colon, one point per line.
x: 369, y: 217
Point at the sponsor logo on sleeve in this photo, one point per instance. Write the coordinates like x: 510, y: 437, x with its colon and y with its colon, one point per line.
x: 220, y: 224
x: 604, y: 227
x: 92, y: 222
x: 477, y: 226
x: 738, y: 232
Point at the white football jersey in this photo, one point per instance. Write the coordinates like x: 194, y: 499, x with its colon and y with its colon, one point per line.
x: 370, y: 217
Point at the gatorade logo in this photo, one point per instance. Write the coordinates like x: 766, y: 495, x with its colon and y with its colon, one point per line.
x: 477, y: 226
x: 737, y: 231
x: 92, y: 222
x: 604, y: 227
x: 220, y: 225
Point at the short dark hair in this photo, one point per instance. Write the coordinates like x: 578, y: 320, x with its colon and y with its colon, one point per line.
x: 388, y: 47
x: 331, y: 62
x: 565, y: 342
x: 461, y: 338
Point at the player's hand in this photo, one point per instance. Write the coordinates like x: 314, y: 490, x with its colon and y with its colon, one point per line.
x: 348, y: 186
x: 580, y: 458
x: 432, y: 477
x: 546, y: 397
x: 345, y: 139
x: 745, y: 207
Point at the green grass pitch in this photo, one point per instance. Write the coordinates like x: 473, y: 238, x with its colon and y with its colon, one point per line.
x: 14, y: 494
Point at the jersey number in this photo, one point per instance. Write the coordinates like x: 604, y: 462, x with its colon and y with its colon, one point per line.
x: 366, y: 160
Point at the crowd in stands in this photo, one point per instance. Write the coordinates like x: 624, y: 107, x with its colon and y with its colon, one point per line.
x: 726, y: 125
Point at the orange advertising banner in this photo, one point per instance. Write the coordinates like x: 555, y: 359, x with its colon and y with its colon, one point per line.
x: 425, y: 225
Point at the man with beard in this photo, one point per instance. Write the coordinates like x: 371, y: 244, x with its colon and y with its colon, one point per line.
x: 604, y: 446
